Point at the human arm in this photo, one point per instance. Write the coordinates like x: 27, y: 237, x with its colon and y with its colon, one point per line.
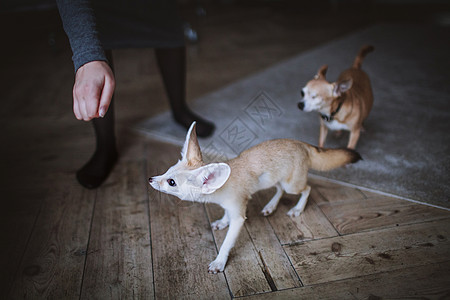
x: 94, y: 79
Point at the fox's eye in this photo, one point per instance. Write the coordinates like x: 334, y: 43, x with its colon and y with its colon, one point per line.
x: 171, y: 182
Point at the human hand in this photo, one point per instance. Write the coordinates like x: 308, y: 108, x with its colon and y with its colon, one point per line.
x: 93, y: 90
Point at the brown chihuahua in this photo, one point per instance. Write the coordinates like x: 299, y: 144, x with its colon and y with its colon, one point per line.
x: 343, y: 104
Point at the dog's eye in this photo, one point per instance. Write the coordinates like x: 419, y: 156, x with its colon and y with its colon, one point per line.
x: 171, y: 182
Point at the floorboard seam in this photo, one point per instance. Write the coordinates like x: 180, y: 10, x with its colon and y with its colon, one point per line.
x: 325, y: 215
x: 87, y: 245
x: 217, y: 249
x: 26, y: 245
x: 282, y: 247
x: 343, y: 183
x: 145, y: 165
x: 376, y: 273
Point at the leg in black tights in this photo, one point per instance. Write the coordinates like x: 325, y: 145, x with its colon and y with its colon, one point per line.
x: 97, y: 169
x: 172, y: 64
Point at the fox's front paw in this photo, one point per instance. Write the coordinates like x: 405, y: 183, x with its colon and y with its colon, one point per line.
x: 216, y: 266
x: 268, y: 210
x: 219, y: 225
x: 294, y: 212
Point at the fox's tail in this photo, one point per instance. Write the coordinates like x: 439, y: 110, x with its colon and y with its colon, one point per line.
x: 362, y: 53
x: 328, y: 159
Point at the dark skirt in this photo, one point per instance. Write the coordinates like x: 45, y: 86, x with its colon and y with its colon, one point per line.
x: 138, y: 24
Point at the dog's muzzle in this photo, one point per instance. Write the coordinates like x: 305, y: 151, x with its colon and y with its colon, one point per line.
x: 301, y: 105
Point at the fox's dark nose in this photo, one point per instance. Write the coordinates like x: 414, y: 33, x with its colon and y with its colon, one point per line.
x: 150, y: 180
x: 301, y: 105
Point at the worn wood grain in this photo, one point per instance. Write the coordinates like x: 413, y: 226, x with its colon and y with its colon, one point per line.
x: 52, y: 266
x: 244, y: 267
x: 327, y: 192
x: 275, y: 264
x: 17, y: 220
x: 257, y: 263
x: 119, y: 261
x: 182, y: 243
x: 423, y: 282
x: 378, y: 212
x: 371, y: 252
x: 46, y: 215
x: 352, y: 210
x: 311, y: 224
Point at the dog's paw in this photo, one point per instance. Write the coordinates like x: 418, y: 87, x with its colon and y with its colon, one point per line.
x: 216, y: 266
x: 268, y: 210
x: 219, y: 225
x: 294, y: 212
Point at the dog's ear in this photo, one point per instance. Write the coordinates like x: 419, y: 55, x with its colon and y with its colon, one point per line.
x: 211, y: 177
x: 322, y: 72
x: 191, y: 152
x: 341, y: 87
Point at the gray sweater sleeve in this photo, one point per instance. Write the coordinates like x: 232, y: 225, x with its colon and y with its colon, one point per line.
x: 79, y: 24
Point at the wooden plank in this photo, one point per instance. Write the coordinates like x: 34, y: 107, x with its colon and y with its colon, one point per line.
x: 326, y: 192
x: 378, y: 212
x: 52, y: 266
x: 244, y: 269
x: 275, y: 264
x: 371, y: 252
x: 17, y: 219
x: 258, y: 263
x: 351, y: 210
x: 182, y: 243
x: 182, y: 250
x: 132, y: 146
x: 423, y: 282
x: 119, y: 261
x: 311, y: 224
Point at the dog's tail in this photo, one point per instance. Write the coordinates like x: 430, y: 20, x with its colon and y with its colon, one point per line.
x: 362, y: 53
x: 328, y: 159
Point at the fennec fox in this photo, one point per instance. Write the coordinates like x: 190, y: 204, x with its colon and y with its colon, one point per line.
x: 281, y: 163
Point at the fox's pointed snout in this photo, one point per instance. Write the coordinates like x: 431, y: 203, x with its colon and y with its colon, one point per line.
x: 153, y: 182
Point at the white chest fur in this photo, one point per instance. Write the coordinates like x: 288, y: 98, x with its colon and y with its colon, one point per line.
x: 335, y: 125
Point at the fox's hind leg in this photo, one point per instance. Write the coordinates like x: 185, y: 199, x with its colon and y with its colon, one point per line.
x: 297, y: 184
x: 300, y: 206
x: 272, y: 205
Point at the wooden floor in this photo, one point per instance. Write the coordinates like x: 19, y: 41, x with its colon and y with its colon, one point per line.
x: 125, y: 240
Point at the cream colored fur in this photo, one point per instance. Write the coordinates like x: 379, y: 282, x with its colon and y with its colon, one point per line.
x: 281, y: 163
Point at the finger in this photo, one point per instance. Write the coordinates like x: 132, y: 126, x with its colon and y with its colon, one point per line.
x: 76, y: 105
x: 86, y: 98
x: 79, y: 100
x: 76, y: 111
x: 83, y: 110
x: 83, y: 99
x: 105, y: 98
x: 92, y: 100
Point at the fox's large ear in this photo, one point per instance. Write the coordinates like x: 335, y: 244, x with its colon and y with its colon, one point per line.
x: 341, y: 87
x: 322, y: 72
x: 191, y: 152
x: 211, y: 177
